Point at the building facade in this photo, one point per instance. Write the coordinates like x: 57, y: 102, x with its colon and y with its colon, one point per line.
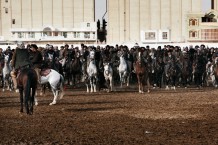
x: 47, y: 20
x: 203, y: 27
x: 149, y: 20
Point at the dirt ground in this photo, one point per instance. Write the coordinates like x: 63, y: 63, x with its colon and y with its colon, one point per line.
x: 181, y: 117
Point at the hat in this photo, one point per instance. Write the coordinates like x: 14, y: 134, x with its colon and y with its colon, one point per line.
x: 34, y: 46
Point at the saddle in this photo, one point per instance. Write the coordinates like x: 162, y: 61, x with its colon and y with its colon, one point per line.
x: 45, y: 72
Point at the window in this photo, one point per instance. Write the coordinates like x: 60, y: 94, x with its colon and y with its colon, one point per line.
x: 209, y: 34
x: 65, y: 34
x: 164, y: 35
x: 55, y: 33
x: 13, y: 21
x: 88, y: 24
x: 150, y: 36
x: 193, y: 22
x: 93, y: 35
x: 45, y: 34
x: 74, y: 34
x: 31, y: 35
x: 193, y: 34
x: 6, y: 10
x: 20, y: 35
x: 87, y: 35
x: 78, y: 35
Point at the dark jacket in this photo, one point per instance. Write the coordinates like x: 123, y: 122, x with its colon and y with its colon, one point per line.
x: 20, y: 58
x: 36, y: 58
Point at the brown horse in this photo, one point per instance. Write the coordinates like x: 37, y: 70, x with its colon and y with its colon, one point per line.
x: 141, y: 70
x: 27, y: 85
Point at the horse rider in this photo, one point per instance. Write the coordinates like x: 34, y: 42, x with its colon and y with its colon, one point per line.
x: 36, y: 59
x: 20, y: 60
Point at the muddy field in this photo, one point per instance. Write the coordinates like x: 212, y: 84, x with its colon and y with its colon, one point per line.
x: 181, y: 117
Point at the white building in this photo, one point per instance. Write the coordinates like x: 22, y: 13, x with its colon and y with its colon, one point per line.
x: 47, y: 21
x: 149, y: 20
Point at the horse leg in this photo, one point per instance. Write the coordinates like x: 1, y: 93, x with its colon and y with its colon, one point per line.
x: 127, y: 81
x: 111, y: 84
x: 148, y: 84
x: 21, y: 100
x: 139, y: 83
x: 87, y: 88
x: 36, y: 100
x: 167, y: 83
x: 55, y: 93
x: 3, y: 84
x: 32, y: 100
x: 173, y: 83
x: 26, y: 101
x: 91, y: 84
x: 62, y: 89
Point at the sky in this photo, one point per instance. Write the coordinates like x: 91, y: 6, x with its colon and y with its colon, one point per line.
x: 100, y: 8
x: 206, y: 4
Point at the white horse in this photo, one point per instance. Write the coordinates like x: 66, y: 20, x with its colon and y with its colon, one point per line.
x: 56, y: 82
x: 6, y: 73
x: 92, y: 73
x: 108, y: 75
x: 123, y: 72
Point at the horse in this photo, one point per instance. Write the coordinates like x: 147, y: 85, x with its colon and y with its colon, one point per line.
x: 199, y: 71
x: 54, y: 63
x: 75, y: 68
x: 123, y: 71
x: 91, y: 76
x: 108, y: 75
x: 27, y: 85
x: 210, y: 74
x: 6, y: 74
x: 1, y: 71
x: 158, y: 72
x: 56, y: 81
x: 215, y: 68
x: 141, y: 70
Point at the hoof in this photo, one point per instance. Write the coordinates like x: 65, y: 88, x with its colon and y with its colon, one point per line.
x: 53, y: 103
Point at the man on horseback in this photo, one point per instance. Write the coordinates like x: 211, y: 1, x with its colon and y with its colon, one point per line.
x: 36, y: 59
x: 20, y: 60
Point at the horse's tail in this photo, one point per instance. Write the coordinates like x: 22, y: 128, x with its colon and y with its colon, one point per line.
x: 62, y: 87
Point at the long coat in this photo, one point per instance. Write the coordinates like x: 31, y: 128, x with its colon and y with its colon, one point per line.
x: 20, y: 58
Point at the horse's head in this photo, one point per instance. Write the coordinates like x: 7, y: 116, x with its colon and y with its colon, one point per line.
x: 77, y: 54
x: 216, y: 60
x: 6, y: 58
x: 50, y: 57
x: 92, y: 54
x: 107, y: 68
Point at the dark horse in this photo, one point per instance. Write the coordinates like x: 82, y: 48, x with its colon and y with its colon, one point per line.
x: 27, y: 84
x: 199, y: 70
x: 141, y: 70
x: 76, y: 68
